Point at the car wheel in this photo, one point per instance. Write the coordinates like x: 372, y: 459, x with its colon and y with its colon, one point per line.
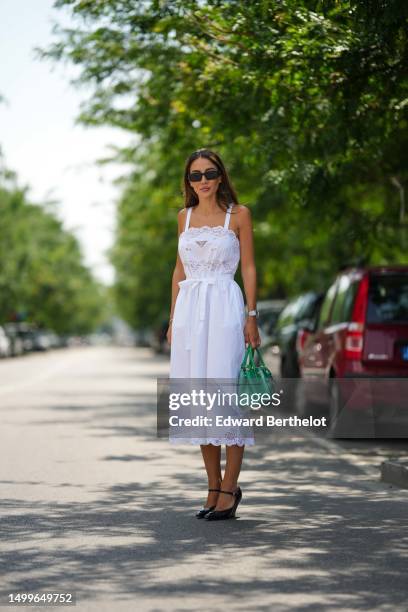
x: 289, y: 368
x: 282, y: 368
x: 303, y: 406
x: 334, y: 406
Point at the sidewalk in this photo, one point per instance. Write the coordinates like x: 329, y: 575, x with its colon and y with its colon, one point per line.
x: 395, y: 472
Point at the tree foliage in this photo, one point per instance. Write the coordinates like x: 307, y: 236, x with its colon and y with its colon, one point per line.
x: 42, y: 276
x: 306, y: 101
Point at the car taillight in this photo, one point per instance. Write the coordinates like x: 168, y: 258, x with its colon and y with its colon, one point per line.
x: 353, y: 347
x: 354, y: 341
x: 301, y: 339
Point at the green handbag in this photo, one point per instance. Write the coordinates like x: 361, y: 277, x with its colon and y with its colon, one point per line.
x: 254, y: 378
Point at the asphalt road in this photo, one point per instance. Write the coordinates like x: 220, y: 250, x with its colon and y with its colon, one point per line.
x: 93, y: 503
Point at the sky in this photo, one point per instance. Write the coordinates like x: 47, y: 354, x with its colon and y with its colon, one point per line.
x: 39, y: 139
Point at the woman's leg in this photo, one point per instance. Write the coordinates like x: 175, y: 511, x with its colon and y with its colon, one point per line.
x: 234, y: 454
x: 212, y: 461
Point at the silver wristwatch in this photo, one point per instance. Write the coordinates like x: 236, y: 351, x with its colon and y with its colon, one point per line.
x: 253, y: 313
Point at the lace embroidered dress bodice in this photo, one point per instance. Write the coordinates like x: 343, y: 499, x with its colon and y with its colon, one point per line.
x: 203, y: 254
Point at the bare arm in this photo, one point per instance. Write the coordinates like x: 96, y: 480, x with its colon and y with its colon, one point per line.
x: 248, y: 268
x: 248, y: 272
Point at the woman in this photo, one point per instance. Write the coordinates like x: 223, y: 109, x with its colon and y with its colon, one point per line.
x: 208, y: 331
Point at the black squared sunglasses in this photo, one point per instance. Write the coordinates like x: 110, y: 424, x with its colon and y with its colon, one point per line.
x: 210, y: 175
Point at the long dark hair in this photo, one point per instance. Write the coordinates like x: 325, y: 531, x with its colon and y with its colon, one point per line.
x: 225, y: 194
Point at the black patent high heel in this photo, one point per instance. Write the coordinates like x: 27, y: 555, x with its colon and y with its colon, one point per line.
x: 216, y: 515
x: 204, y: 511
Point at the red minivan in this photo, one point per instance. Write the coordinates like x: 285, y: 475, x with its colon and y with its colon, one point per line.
x: 361, y: 332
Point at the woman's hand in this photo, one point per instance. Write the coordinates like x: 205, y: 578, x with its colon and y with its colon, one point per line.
x: 251, y: 332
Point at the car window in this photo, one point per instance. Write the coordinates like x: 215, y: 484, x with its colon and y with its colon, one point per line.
x: 267, y: 319
x: 298, y: 308
x: 307, y: 308
x: 287, y: 313
x: 344, y: 300
x: 349, y: 300
x: 326, y: 306
x: 388, y: 299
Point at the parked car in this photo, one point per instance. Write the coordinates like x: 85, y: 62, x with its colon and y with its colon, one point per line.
x: 299, y: 313
x: 54, y: 340
x: 269, y: 311
x: 41, y: 340
x: 26, y: 333
x: 361, y: 332
x: 159, y: 338
x: 5, y: 343
x: 16, y: 342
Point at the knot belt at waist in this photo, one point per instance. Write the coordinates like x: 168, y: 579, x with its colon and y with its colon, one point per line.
x: 202, y: 282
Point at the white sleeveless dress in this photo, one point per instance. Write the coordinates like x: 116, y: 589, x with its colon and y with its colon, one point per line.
x: 207, y: 339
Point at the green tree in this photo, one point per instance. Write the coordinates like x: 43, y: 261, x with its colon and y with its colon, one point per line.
x: 42, y: 273
x: 307, y: 101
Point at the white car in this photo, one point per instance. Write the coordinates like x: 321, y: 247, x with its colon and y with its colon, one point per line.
x: 5, y: 344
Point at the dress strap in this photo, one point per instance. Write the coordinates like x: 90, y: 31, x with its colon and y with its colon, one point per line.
x: 227, y: 217
x: 188, y: 218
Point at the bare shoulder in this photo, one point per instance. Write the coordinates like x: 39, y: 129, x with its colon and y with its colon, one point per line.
x: 242, y: 213
x: 181, y: 216
x: 240, y: 219
x: 241, y: 209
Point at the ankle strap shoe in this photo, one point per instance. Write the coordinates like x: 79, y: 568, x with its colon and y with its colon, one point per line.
x: 216, y: 515
x: 204, y: 511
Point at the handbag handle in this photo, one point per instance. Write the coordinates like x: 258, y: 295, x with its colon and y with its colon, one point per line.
x: 249, y: 356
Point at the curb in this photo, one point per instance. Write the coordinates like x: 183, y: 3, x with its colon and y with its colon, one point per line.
x: 395, y: 472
